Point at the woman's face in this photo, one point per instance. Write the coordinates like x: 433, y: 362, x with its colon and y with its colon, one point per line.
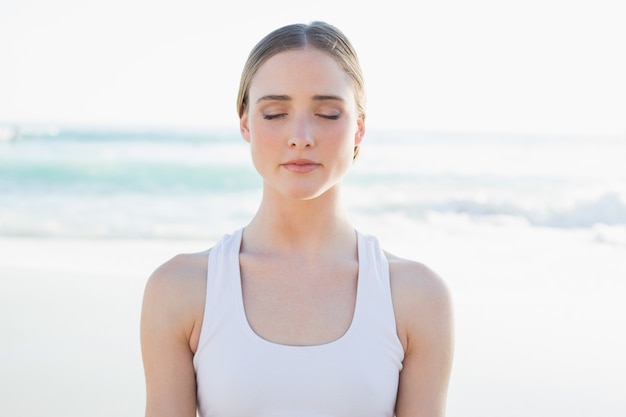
x: 301, y: 123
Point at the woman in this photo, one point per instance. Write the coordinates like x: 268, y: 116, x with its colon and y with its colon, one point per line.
x: 297, y: 313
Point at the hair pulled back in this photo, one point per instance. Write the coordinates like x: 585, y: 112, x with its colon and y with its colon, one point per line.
x: 318, y: 35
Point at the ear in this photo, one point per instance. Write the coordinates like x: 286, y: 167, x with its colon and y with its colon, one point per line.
x: 360, y: 132
x: 244, y: 127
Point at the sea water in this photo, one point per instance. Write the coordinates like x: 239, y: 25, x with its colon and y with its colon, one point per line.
x: 190, y: 184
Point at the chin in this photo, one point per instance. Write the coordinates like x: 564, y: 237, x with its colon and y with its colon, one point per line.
x: 315, y: 194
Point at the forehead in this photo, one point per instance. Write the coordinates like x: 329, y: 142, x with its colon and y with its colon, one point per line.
x: 303, y: 71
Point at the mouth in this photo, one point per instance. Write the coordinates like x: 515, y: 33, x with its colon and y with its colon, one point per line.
x: 301, y: 166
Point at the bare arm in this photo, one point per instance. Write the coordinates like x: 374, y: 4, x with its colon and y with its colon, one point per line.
x: 170, y: 323
x: 425, y: 326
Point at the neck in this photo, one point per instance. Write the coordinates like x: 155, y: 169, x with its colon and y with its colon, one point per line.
x: 300, y: 227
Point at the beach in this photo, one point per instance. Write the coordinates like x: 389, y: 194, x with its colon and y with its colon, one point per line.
x: 534, y: 253
x: 539, y: 322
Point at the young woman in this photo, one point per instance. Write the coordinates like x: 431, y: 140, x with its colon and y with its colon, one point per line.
x: 298, y: 313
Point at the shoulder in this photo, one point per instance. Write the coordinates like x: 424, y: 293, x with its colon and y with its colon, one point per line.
x: 423, y: 309
x: 178, y: 276
x: 413, y: 281
x: 171, y: 318
x: 174, y: 294
x: 422, y: 301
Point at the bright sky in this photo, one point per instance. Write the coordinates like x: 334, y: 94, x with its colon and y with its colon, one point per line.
x: 539, y: 66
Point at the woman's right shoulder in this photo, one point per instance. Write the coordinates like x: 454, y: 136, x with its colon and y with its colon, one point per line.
x: 175, y: 293
x: 187, y: 270
x: 171, y: 319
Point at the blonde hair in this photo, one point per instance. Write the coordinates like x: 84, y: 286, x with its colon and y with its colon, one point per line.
x: 318, y: 35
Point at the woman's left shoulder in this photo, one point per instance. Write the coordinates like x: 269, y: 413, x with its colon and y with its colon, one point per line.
x: 416, y: 279
x: 421, y: 298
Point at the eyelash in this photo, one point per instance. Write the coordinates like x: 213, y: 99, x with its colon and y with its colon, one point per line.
x: 323, y: 116
x: 273, y: 116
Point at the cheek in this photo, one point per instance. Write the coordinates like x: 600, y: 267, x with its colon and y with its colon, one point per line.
x: 343, y: 134
x: 263, y: 145
x: 257, y: 155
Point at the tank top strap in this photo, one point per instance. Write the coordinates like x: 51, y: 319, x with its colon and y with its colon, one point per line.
x: 374, y: 307
x: 221, y: 292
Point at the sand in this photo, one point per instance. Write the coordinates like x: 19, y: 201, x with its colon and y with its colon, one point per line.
x: 70, y: 324
x: 540, y: 320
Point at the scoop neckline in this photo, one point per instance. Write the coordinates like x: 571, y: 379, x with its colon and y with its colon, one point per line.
x: 255, y: 337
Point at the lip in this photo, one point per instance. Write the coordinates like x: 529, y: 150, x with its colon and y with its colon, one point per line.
x: 301, y: 166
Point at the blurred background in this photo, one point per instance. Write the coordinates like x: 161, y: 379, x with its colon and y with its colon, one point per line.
x: 494, y: 154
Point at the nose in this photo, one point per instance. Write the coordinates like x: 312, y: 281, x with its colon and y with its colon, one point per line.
x: 302, y: 134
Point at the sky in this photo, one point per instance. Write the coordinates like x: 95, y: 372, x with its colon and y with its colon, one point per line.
x: 534, y: 66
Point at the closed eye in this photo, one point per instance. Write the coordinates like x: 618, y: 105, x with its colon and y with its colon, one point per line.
x: 273, y: 116
x: 329, y: 116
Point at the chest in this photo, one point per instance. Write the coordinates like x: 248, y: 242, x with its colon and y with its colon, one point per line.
x: 346, y: 305
x: 298, y: 303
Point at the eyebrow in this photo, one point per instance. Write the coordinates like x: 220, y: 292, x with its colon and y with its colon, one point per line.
x: 327, y: 97
x: 274, y: 97
x: 281, y: 97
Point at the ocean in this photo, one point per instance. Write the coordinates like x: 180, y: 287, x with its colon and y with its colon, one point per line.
x: 91, y: 183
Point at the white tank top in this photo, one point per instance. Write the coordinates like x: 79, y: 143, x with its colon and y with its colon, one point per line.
x: 240, y: 374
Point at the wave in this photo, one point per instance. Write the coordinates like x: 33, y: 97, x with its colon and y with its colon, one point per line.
x: 124, y: 177
x: 197, y: 215
x: 169, y: 185
x: 607, y: 209
x: 55, y: 134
